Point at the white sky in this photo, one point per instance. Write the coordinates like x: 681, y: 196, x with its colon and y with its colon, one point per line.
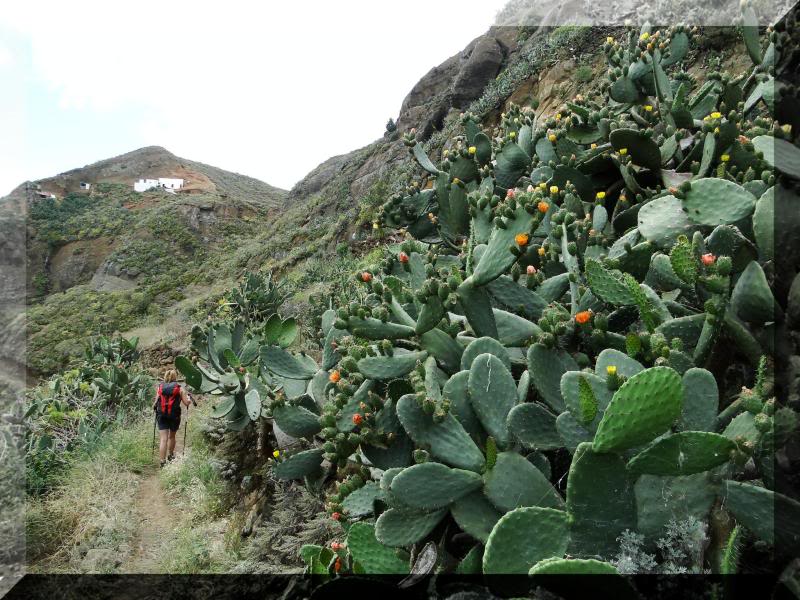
x: 261, y: 88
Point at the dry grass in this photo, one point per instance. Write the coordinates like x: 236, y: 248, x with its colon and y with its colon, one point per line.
x: 94, y: 508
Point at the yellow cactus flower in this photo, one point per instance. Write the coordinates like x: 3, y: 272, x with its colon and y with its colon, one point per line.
x: 456, y: 181
x: 786, y: 128
x: 542, y: 185
x: 716, y: 129
x: 716, y: 115
x: 600, y: 195
x: 611, y: 370
x: 276, y: 453
x: 593, y: 146
x: 541, y: 251
x: 623, y: 151
x: 558, y: 116
x: 552, y: 137
x: 610, y: 40
x: 512, y: 135
x: 375, y: 226
x: 472, y: 149
x: 725, y: 157
x: 644, y: 36
x: 553, y: 189
x: 648, y: 108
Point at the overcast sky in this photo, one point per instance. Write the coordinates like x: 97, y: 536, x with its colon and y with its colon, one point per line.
x: 262, y: 88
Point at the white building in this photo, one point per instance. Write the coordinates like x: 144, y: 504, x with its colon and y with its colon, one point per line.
x: 85, y: 185
x: 166, y: 183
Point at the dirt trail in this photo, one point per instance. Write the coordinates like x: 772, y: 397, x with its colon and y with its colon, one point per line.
x: 157, y: 521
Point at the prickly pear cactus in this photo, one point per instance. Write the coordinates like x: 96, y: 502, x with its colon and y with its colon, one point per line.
x: 548, y: 344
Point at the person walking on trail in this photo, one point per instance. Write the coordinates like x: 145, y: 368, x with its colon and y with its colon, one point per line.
x: 169, y: 398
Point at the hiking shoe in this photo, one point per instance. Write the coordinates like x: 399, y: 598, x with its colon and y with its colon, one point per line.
x: 163, y: 462
x: 171, y: 457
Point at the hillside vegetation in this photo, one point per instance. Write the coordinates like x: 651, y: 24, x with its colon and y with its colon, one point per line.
x: 544, y: 332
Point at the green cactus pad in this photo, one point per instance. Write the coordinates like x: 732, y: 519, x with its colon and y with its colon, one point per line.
x: 194, y: 377
x: 497, y: 258
x: 224, y: 407
x: 446, y: 350
x: 742, y: 427
x: 533, y: 426
x: 660, y: 500
x: 472, y: 563
x: 513, y: 330
x: 687, y: 329
x: 511, y: 163
x: 624, y: 90
x: 626, y: 366
x: 282, y: 363
x: 475, y: 515
x: 524, y: 537
x: 403, y: 527
x: 576, y: 401
x: 713, y: 201
x: 554, y: 288
x: 477, y: 307
x: 752, y: 299
x: 515, y: 482
x: 599, y: 501
x: 456, y: 391
x: 662, y: 220
x: 779, y: 154
x: 429, y: 486
x: 297, y: 466
x: 430, y: 314
x: 484, y: 345
x: 447, y: 440
x: 374, y: 329
x: 360, y: 503
x: 295, y: 420
x: 764, y: 224
x: 523, y: 387
x: 700, y: 401
x: 546, y: 367
x: 608, y: 285
x: 684, y: 453
x: 573, y: 566
x: 390, y: 367
x: 374, y: 557
x: 771, y: 516
x: 571, y: 432
x: 492, y: 394
x: 422, y: 158
x: 642, y: 149
x: 645, y: 406
x: 515, y: 297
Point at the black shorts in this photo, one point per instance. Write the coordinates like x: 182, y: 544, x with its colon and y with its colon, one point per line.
x: 167, y: 422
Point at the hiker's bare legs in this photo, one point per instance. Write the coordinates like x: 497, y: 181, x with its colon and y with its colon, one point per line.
x: 162, y: 446
x: 172, y: 442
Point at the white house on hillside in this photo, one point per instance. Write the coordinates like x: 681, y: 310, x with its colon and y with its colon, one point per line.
x: 166, y: 183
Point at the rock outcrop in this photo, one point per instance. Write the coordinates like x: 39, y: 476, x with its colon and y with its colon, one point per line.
x: 458, y: 81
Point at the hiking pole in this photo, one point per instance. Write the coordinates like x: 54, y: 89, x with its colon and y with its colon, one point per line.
x: 185, y: 430
x: 186, y: 426
x: 155, y: 420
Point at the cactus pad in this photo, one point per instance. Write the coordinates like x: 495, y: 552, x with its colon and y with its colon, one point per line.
x: 431, y: 485
x: 712, y: 201
x: 398, y: 527
x: 599, y: 502
x: 515, y: 482
x: 524, y: 537
x: 533, y: 426
x: 373, y: 556
x: 645, y: 406
x: 492, y: 394
x: 684, y: 453
x: 447, y: 440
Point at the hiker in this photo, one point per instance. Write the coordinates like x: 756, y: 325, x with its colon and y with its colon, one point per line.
x: 168, y: 402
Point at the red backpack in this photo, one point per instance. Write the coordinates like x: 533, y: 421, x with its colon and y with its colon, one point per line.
x: 168, y: 394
